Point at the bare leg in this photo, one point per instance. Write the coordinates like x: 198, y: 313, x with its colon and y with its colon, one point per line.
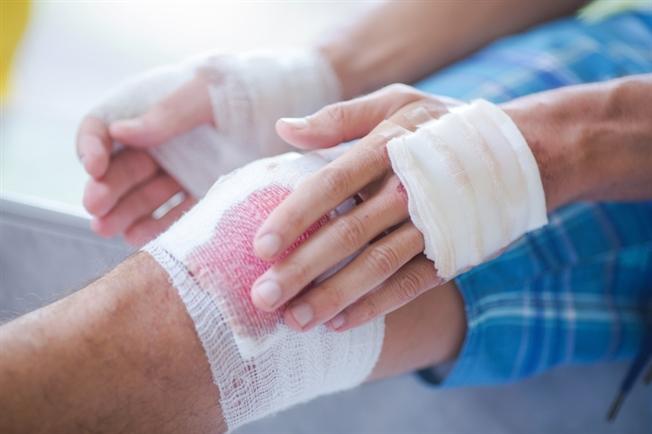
x: 122, y: 356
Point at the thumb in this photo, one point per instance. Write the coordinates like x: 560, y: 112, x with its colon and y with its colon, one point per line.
x: 344, y: 121
x: 186, y: 108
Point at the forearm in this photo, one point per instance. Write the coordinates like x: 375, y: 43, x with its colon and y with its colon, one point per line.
x: 119, y: 355
x: 404, y: 41
x: 592, y: 142
x: 122, y: 355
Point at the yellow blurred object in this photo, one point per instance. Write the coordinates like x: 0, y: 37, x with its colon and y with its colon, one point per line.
x: 13, y: 20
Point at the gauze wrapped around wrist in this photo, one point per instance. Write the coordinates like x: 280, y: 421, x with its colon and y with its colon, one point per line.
x: 473, y: 185
x: 249, y: 92
x: 260, y: 365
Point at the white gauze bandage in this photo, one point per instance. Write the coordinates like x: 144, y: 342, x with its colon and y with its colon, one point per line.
x: 249, y: 92
x: 472, y: 182
x: 260, y: 365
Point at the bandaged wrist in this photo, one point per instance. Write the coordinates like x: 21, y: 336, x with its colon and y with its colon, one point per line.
x: 249, y: 92
x: 472, y: 182
x: 259, y: 364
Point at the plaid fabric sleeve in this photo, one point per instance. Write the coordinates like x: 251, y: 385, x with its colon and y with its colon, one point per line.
x: 577, y: 290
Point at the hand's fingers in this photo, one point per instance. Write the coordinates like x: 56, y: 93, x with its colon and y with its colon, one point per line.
x: 331, y: 244
x: 416, y: 277
x: 138, y: 203
x: 148, y: 228
x: 344, y: 121
x: 128, y: 169
x: 378, y: 262
x: 342, y: 178
x: 417, y: 113
x: 324, y: 190
x: 186, y: 108
x: 94, y: 146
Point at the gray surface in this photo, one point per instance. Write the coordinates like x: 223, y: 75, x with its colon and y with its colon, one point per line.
x: 47, y: 254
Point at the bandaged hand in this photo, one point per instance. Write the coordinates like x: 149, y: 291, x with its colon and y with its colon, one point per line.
x: 479, y: 201
x: 177, y: 129
x: 390, y: 269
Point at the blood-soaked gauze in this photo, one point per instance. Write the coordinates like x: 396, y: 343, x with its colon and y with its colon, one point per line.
x: 260, y: 365
x: 249, y: 92
x: 473, y: 185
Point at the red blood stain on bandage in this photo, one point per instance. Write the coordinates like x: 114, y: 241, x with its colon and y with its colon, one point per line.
x: 227, y: 266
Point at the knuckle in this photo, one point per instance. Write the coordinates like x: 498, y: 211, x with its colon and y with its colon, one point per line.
x: 157, y: 192
x: 435, y: 109
x: 383, y: 260
x: 295, y: 273
x: 136, y: 162
x: 350, y: 232
x: 369, y: 308
x: 375, y: 153
x: 401, y: 89
x: 339, y: 299
x: 335, y: 114
x: 409, y: 287
x: 332, y: 300
x: 398, y: 88
x: 397, y: 197
x: 292, y: 218
x: 379, y: 157
x: 425, y: 110
x: 336, y: 182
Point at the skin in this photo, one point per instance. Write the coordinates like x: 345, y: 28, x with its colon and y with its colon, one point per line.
x: 126, y: 187
x: 127, y: 359
x: 590, y: 142
x: 414, y: 40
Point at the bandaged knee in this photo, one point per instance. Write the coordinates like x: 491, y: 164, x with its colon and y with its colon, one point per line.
x: 248, y: 93
x: 472, y: 183
x: 259, y: 364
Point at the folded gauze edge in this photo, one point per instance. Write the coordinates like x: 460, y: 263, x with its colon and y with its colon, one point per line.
x: 473, y: 185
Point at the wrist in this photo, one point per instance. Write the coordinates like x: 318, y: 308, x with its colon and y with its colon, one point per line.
x: 590, y: 141
x: 619, y: 140
x: 556, y: 134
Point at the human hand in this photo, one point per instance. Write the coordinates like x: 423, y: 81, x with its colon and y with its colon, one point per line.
x: 570, y: 134
x: 128, y: 185
x: 181, y: 127
x: 390, y: 271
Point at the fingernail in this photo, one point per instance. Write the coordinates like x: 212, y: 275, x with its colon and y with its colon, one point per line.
x: 338, y: 321
x: 267, y: 245
x: 297, y: 123
x: 302, y: 314
x: 130, y: 124
x: 268, y: 292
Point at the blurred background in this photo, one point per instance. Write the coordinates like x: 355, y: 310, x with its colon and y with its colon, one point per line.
x: 70, y: 53
x: 66, y: 54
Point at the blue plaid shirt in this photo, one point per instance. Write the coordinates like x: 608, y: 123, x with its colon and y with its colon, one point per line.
x: 578, y: 290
